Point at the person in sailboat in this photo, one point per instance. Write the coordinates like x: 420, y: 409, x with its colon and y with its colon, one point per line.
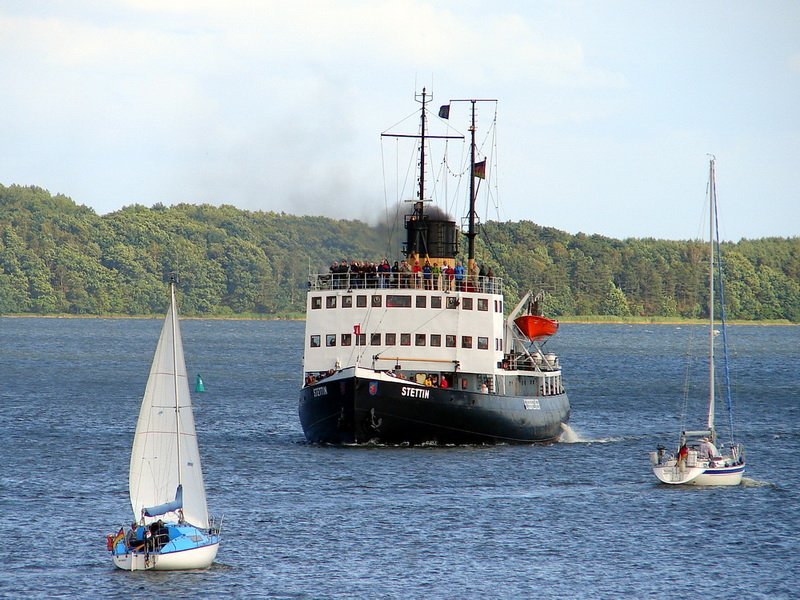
x: 159, y: 534
x: 708, y: 449
x: 132, y: 539
x: 683, y: 454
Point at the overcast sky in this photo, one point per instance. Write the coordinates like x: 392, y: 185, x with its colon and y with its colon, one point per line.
x: 607, y: 109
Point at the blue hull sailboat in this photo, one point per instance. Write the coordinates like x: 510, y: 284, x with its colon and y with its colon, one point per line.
x: 171, y: 528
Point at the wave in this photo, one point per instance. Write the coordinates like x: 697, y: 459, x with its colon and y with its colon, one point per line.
x: 570, y: 436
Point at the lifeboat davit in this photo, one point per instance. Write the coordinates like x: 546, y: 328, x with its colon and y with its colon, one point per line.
x: 535, y: 327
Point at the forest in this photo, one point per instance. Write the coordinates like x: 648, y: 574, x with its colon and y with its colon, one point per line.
x: 61, y: 258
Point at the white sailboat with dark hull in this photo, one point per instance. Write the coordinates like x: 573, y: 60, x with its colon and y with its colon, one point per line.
x: 409, y: 358
x: 171, y: 528
x: 698, y: 460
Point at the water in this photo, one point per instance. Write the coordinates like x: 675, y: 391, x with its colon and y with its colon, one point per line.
x: 584, y: 519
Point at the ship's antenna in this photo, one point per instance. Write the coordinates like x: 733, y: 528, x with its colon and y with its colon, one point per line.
x: 422, y: 98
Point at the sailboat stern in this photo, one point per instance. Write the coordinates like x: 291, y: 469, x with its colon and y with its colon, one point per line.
x: 185, y: 547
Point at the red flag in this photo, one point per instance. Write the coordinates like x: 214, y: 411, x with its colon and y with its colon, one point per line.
x: 479, y: 169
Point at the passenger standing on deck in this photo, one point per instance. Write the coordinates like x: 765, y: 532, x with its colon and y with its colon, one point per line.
x: 427, y: 270
x: 459, y: 274
x: 436, y: 274
x: 450, y: 273
x: 383, y: 272
x: 472, y: 276
x: 405, y: 274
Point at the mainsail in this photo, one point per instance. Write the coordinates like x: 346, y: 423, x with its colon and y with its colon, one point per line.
x: 165, y: 454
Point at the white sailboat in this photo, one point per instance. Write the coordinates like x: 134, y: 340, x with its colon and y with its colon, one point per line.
x: 698, y: 461
x: 171, y: 529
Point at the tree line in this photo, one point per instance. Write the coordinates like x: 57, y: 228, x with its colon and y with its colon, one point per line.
x: 58, y: 257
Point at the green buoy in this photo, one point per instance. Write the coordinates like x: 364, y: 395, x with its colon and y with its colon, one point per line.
x: 198, y: 384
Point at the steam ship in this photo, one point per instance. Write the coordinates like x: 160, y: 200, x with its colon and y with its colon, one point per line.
x: 420, y: 358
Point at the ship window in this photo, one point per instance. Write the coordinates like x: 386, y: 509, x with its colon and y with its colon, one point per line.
x: 361, y: 301
x: 347, y: 302
x: 376, y: 301
x: 436, y: 339
x: 419, y: 339
x: 391, y: 339
x: 405, y: 339
x: 316, y: 302
x: 375, y: 339
x: 466, y: 341
x: 466, y: 303
x: 330, y: 339
x: 361, y: 339
x: 450, y: 341
x: 347, y: 339
x: 483, y: 304
x: 330, y: 302
x: 422, y: 301
x: 452, y: 302
x: 483, y: 343
x: 398, y: 301
x: 436, y: 302
x: 315, y: 341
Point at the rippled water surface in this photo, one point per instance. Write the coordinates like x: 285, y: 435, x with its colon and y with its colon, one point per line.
x: 582, y: 519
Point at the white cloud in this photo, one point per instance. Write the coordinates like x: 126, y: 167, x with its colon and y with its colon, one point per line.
x: 139, y: 100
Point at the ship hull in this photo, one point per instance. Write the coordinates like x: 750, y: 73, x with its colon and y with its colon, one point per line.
x: 357, y: 410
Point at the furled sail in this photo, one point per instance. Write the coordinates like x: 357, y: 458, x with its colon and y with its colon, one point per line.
x: 161, y: 509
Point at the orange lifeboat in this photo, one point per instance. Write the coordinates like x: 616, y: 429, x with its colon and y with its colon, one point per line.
x: 535, y: 327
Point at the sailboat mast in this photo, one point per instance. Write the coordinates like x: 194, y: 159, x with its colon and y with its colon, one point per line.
x: 174, y: 311
x: 712, y: 194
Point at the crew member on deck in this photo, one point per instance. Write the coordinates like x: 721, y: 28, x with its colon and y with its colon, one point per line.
x: 131, y: 539
x: 708, y: 449
x: 682, y: 454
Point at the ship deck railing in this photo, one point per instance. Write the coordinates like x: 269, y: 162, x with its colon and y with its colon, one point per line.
x: 530, y: 363
x: 404, y: 281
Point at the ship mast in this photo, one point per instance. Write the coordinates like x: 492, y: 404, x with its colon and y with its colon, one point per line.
x: 423, y: 121
x: 421, y: 226
x: 473, y: 192
x: 422, y: 98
